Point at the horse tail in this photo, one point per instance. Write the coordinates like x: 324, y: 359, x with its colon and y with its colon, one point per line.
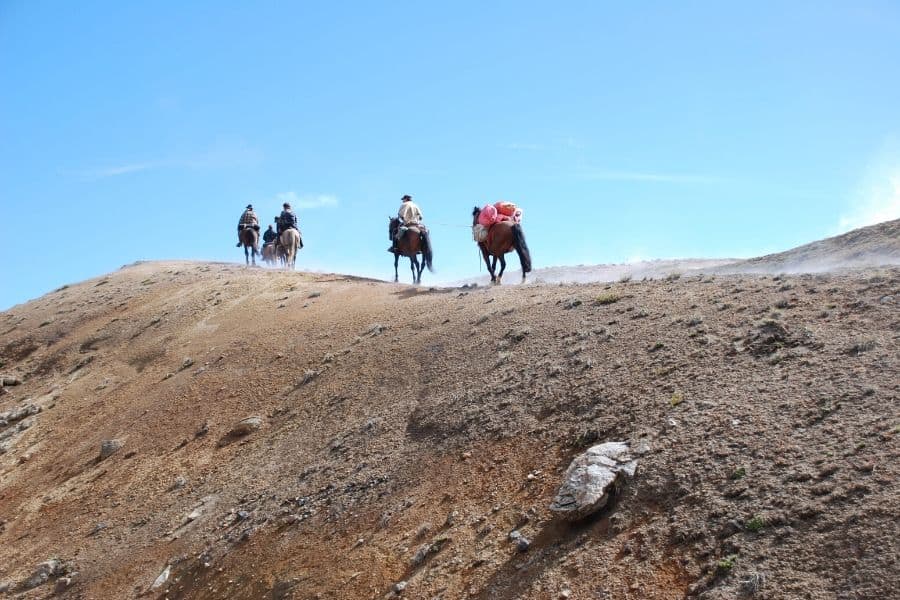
x: 426, y: 250
x: 521, y: 248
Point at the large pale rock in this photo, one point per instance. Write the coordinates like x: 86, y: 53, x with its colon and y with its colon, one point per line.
x: 246, y: 427
x: 590, y: 479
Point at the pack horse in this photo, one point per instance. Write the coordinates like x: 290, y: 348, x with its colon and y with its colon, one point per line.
x: 497, y: 229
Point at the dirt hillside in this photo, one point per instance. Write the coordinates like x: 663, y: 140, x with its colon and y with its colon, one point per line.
x: 868, y: 247
x: 404, y: 433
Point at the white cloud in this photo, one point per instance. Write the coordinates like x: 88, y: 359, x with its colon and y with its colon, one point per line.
x: 115, y: 171
x: 520, y: 146
x: 222, y: 154
x: 307, y: 201
x: 639, y: 176
x: 878, y: 201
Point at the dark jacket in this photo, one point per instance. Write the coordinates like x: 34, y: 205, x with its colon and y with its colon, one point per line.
x: 269, y: 236
x: 288, y: 219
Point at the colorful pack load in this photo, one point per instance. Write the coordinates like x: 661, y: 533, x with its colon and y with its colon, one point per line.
x: 498, y: 213
x: 507, y: 209
x: 487, y: 216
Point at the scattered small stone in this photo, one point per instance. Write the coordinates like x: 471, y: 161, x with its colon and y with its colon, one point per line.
x: 179, y: 483
x: 110, y: 447
x: 203, y: 430
x: 400, y: 586
x: 571, y: 303
x: 187, y: 363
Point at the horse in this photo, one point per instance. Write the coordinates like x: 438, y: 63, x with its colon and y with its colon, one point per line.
x: 290, y: 241
x: 414, y: 241
x: 249, y: 237
x: 503, y: 237
x: 268, y: 254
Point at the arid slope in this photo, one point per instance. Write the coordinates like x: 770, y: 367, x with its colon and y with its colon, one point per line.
x: 404, y: 433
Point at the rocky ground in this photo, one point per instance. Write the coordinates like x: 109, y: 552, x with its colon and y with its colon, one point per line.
x: 188, y: 430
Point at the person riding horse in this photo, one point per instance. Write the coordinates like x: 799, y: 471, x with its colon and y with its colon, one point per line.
x: 248, y: 219
x: 409, y: 238
x: 409, y: 215
x: 270, y: 236
x: 287, y: 220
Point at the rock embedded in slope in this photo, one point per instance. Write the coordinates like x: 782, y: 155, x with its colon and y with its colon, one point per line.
x: 110, y: 447
x: 246, y: 427
x: 43, y: 573
x: 591, y: 478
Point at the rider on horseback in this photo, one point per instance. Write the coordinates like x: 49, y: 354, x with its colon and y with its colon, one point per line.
x: 288, y: 220
x: 409, y: 215
x: 269, y: 236
x: 248, y: 219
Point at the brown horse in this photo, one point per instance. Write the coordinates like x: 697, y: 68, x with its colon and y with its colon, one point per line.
x: 503, y: 237
x: 268, y: 254
x: 249, y: 237
x: 413, y: 242
x: 290, y: 242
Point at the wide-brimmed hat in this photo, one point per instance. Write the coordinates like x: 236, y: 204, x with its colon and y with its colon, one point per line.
x: 406, y: 197
x: 249, y: 207
x: 286, y: 205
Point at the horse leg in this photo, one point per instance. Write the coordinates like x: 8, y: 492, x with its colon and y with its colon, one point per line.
x: 502, y: 268
x: 413, y: 263
x: 421, y: 268
x: 493, y: 269
x: 253, y: 255
x: 246, y: 256
x: 396, y: 261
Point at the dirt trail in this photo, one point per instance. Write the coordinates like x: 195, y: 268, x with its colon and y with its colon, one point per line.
x: 404, y: 433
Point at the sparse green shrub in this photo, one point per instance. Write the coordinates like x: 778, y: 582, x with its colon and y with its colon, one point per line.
x: 739, y: 473
x: 610, y: 298
x: 726, y: 564
x: 755, y: 524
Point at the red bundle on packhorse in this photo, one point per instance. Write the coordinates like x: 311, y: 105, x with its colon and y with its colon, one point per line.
x: 499, y: 237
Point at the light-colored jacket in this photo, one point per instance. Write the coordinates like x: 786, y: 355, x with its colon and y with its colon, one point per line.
x: 410, y: 214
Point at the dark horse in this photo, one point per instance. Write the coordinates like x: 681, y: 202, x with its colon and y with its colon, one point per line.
x: 413, y: 242
x: 249, y: 238
x: 503, y: 237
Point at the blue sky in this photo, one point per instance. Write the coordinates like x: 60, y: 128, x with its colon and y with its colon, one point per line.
x: 674, y: 129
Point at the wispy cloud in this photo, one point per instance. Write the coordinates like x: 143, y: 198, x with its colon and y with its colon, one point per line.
x: 307, y: 201
x: 643, y: 176
x: 103, y: 172
x: 877, y: 201
x: 521, y: 146
x: 223, y: 154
